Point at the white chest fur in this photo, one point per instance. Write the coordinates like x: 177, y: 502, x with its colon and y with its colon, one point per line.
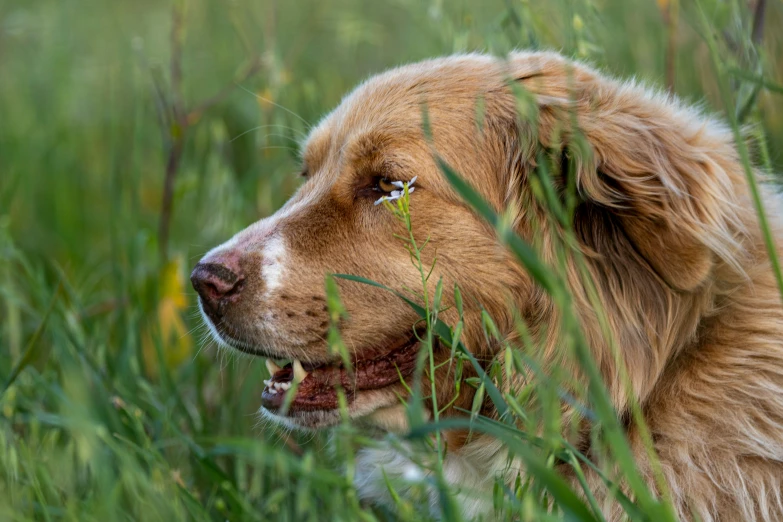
x: 470, y: 472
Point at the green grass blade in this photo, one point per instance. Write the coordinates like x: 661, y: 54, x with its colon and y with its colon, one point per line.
x: 28, y: 355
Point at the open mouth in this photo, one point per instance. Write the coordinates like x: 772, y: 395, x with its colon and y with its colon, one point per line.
x: 316, y: 385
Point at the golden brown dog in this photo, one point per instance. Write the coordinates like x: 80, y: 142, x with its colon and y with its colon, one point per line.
x: 665, y: 222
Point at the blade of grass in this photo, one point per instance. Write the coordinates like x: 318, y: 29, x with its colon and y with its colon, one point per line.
x: 567, y: 500
x: 29, y: 351
x: 602, y: 404
x: 758, y: 80
x: 742, y: 148
x: 445, y: 334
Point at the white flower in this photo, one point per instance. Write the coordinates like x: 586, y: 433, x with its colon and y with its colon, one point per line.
x: 397, y: 194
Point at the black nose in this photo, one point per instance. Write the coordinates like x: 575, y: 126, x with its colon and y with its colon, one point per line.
x: 217, y: 283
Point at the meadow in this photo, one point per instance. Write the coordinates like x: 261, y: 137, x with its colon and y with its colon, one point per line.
x: 134, y: 136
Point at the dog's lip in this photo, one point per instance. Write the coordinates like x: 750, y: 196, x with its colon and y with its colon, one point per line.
x: 316, y: 385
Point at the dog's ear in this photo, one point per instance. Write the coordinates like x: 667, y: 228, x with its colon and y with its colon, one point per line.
x: 643, y: 169
x: 664, y: 173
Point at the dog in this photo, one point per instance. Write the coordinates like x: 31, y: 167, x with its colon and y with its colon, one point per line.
x: 666, y: 224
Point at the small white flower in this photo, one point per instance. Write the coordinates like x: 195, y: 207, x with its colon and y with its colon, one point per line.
x: 397, y: 194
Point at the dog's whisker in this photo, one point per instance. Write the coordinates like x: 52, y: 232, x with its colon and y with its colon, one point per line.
x: 284, y: 127
x: 289, y: 111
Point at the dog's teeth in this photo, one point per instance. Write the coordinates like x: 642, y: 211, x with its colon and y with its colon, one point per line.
x: 272, y: 367
x: 299, y: 373
x: 272, y: 390
x: 285, y: 385
x: 268, y: 382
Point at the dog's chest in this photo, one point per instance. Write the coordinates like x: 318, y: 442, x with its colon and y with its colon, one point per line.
x: 471, y: 473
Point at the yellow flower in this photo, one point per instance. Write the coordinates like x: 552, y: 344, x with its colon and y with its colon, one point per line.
x: 169, y: 328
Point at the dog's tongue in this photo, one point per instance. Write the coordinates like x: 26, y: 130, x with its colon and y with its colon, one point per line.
x: 318, y: 391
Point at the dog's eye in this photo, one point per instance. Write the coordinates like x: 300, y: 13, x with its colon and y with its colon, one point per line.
x: 385, y: 185
x: 390, y: 190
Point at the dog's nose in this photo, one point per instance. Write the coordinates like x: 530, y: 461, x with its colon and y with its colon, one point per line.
x: 217, y: 281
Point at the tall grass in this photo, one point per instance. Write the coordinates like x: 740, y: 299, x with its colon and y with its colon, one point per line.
x: 113, y: 405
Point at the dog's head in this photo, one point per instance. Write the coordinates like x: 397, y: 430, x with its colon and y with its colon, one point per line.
x: 652, y: 222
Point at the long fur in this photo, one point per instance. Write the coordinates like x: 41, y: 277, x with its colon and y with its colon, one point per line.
x: 665, y: 225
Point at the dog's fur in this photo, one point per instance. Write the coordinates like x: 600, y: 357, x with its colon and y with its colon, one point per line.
x: 665, y: 222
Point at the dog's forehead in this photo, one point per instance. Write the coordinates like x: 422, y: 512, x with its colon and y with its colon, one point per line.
x: 392, y: 105
x: 360, y: 127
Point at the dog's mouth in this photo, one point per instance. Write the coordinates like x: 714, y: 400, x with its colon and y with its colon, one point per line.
x: 316, y: 385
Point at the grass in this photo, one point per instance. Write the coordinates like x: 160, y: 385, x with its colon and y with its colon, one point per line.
x: 112, y: 408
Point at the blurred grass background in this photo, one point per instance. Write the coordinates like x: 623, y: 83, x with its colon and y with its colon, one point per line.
x: 113, y: 412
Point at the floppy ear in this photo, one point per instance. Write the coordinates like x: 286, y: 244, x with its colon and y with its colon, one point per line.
x: 646, y: 171
x: 667, y: 174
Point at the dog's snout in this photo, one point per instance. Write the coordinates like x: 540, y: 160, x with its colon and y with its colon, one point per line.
x: 216, y: 281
